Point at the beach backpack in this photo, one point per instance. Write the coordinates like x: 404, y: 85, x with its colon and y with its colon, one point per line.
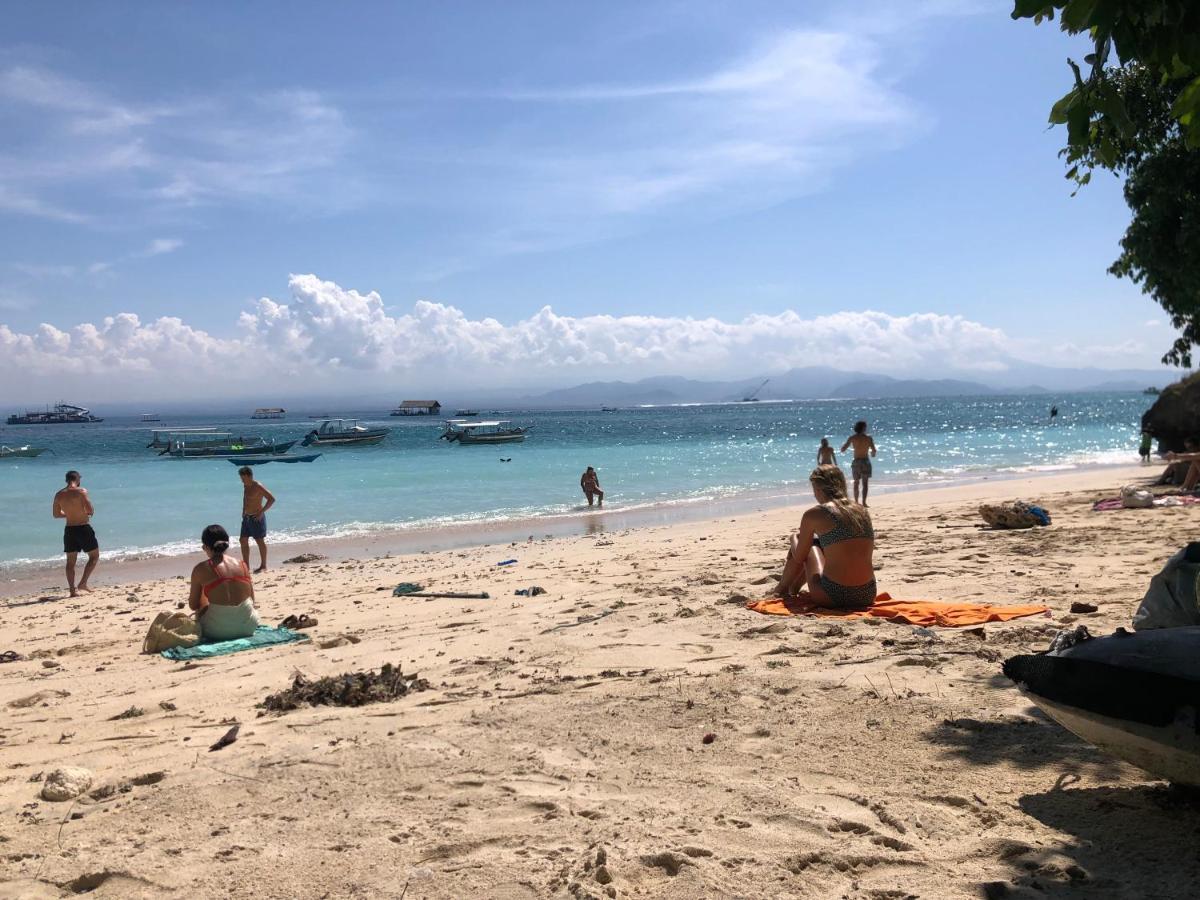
x: 1015, y: 514
x: 173, y: 629
x: 1171, y: 601
x: 1134, y: 497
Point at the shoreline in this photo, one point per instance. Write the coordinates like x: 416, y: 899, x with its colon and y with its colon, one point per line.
x: 402, y: 541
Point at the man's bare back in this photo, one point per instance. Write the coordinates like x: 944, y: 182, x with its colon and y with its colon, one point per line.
x: 72, y: 504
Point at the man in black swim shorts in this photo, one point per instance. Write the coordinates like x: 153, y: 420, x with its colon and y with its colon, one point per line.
x: 73, y: 504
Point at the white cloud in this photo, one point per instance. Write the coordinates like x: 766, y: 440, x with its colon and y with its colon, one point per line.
x: 159, y: 246
x: 101, y: 151
x: 325, y: 334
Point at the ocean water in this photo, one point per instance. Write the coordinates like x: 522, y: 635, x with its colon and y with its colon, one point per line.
x: 146, y: 504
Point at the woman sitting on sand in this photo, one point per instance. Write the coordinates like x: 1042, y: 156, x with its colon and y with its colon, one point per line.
x: 831, y: 553
x: 222, y: 594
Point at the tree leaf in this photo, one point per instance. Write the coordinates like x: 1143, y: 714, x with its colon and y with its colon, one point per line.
x: 1058, y: 113
x: 1076, y: 15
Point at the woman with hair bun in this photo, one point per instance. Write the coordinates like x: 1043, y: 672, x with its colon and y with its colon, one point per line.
x: 222, y: 594
x: 831, y: 554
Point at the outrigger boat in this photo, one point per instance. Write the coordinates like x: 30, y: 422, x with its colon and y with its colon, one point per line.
x: 263, y: 460
x: 228, y: 448
x: 499, y: 431
x: 344, y: 431
x: 25, y: 452
x: 160, y: 439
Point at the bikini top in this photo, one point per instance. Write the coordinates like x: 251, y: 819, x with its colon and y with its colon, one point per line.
x: 244, y: 578
x: 841, y: 531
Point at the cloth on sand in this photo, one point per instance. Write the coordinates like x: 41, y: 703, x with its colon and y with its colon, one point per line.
x: 1015, y: 514
x: 1111, y: 503
x: 263, y: 636
x: 910, y: 612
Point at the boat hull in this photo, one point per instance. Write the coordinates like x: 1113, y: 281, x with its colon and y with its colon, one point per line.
x: 315, y: 440
x: 20, y: 452
x: 1134, y: 695
x: 263, y: 460
x: 227, y: 453
x: 467, y: 439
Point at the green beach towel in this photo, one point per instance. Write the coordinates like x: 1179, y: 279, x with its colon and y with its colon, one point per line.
x: 263, y: 636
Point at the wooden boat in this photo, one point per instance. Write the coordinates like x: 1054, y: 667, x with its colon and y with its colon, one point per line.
x: 62, y: 414
x: 344, y: 431
x: 227, y: 450
x: 25, y: 452
x: 160, y: 439
x: 263, y: 460
x: 499, y: 431
x: 269, y: 412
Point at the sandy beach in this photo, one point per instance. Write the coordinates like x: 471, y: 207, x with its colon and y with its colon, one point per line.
x: 562, y: 747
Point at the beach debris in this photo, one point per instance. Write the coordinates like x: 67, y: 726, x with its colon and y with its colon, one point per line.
x: 226, y: 739
x: 582, y: 620
x: 534, y: 591
x: 51, y: 664
x: 1078, y: 607
x: 708, y: 738
x: 9, y: 656
x: 338, y: 640
x: 1069, y: 637
x: 132, y: 713
x: 304, y: 558
x: 66, y: 783
x: 167, y: 706
x: 40, y: 698
x: 297, y: 622
x: 506, y: 562
x: 411, y: 589
x: 347, y: 689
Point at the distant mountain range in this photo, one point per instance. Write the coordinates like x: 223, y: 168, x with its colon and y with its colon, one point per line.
x: 821, y: 382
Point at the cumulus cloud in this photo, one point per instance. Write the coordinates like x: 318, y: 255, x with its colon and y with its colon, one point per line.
x: 324, y: 335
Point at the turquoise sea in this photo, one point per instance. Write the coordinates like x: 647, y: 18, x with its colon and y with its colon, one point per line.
x: 675, y: 455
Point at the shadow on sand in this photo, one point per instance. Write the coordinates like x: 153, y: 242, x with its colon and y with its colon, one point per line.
x: 1136, y: 841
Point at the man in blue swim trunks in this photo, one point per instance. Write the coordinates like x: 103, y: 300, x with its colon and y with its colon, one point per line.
x: 256, y: 500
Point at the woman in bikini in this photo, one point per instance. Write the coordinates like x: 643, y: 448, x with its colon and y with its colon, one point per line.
x: 222, y: 594
x: 831, y: 554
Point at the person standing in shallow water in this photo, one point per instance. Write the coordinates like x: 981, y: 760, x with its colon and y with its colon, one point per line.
x: 825, y: 454
x: 860, y: 468
x: 256, y: 500
x: 590, y: 482
x: 73, y: 504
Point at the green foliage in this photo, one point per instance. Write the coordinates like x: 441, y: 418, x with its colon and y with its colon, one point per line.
x: 1139, y: 116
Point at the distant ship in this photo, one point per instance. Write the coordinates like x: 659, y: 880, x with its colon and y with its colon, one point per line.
x: 1152, y: 391
x: 269, y: 412
x: 62, y: 414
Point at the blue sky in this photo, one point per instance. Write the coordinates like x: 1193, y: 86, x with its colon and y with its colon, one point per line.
x: 773, y: 171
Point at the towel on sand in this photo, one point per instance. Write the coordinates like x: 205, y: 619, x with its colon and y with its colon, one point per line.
x: 1111, y: 503
x: 910, y: 612
x: 263, y: 636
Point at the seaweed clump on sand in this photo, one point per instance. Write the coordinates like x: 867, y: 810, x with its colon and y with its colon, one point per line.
x: 348, y: 689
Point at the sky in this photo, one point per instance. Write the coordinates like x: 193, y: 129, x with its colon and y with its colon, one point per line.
x: 247, y: 198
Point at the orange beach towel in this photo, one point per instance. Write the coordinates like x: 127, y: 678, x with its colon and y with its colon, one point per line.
x: 904, y: 612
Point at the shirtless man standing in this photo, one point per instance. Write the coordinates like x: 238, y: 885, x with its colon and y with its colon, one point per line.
x: 256, y: 500
x: 863, y: 445
x: 72, y: 503
x: 590, y: 482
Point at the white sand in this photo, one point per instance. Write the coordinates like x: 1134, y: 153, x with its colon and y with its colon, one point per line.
x: 856, y: 759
